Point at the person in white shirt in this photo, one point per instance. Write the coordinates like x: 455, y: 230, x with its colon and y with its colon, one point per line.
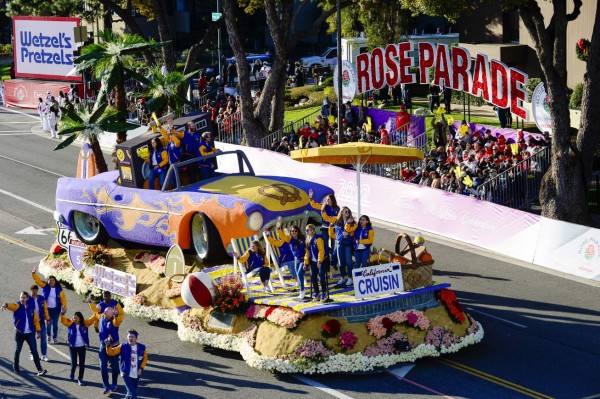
x: 134, y: 358
x: 78, y: 338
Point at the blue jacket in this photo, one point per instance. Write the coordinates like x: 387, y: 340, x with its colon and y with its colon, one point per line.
x: 57, y: 289
x: 312, y: 249
x: 125, y: 361
x: 298, y: 248
x: 362, y: 234
x: 40, y: 301
x: 330, y: 211
x: 160, y: 154
x: 339, y: 236
x: 254, y: 261
x: 174, y: 152
x: 108, y: 329
x: 191, y: 142
x: 72, y: 334
x: 103, y: 305
x: 21, y: 314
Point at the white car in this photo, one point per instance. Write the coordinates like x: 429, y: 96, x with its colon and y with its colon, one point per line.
x: 329, y: 58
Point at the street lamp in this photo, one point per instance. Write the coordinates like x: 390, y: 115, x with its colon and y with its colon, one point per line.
x: 339, y: 70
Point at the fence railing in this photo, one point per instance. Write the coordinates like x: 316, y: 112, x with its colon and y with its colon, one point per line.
x: 230, y: 129
x: 519, y: 186
x: 266, y: 141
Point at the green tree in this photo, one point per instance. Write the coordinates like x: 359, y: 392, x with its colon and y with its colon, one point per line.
x: 110, y: 61
x: 59, y: 8
x: 564, y: 187
x: 89, y: 125
x: 164, y: 91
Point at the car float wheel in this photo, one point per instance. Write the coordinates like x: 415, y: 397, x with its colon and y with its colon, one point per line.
x: 89, y: 229
x: 206, y: 240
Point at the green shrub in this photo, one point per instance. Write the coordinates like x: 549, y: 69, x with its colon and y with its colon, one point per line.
x: 328, y: 82
x: 575, y: 101
x: 6, y: 48
x: 531, y: 85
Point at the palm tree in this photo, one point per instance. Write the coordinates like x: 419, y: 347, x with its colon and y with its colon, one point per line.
x: 88, y: 125
x: 163, y: 91
x: 110, y: 61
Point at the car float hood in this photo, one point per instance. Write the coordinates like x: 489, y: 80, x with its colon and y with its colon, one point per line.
x: 275, y: 193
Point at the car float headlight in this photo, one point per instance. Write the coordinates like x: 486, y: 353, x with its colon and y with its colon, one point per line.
x: 255, y: 221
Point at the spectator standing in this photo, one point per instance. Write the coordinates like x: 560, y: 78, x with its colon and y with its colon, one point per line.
x: 384, y: 135
x: 317, y: 258
x: 41, y: 308
x: 55, y: 299
x: 78, y: 339
x: 447, y: 92
x: 25, y: 321
x: 363, y: 239
x: 406, y: 97
x: 133, y: 360
x: 434, y: 96
x: 231, y: 74
x: 202, y: 83
x: 41, y: 109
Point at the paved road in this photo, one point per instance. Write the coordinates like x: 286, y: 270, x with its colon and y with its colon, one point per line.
x: 541, y: 329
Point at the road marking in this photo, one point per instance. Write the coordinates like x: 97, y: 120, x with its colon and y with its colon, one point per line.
x: 497, y: 318
x: 12, y: 123
x: 59, y: 352
x: 23, y: 244
x: 25, y: 200
x: 11, y: 133
x: 324, y: 388
x: 496, y: 380
x: 33, y: 231
x: 31, y: 166
x: 401, y: 371
x: 400, y: 377
x: 37, y: 118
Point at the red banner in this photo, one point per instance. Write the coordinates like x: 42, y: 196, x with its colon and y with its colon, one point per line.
x: 25, y: 93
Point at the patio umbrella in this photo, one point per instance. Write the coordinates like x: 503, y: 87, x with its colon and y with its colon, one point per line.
x: 357, y: 154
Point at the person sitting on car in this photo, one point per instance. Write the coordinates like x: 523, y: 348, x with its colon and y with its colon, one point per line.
x: 159, y: 162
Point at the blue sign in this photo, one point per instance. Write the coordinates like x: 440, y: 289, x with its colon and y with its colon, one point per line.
x: 75, y: 251
x: 377, y: 280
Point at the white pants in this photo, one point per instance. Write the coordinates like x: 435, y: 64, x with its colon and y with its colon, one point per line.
x: 52, y: 122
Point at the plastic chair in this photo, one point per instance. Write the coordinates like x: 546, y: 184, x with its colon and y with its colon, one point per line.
x: 240, y: 246
x: 273, y: 253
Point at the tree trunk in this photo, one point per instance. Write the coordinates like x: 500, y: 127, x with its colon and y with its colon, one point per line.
x: 198, y: 48
x: 168, y: 52
x: 563, y: 192
x: 98, y: 156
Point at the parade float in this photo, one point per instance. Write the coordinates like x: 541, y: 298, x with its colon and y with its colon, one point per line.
x: 393, y: 313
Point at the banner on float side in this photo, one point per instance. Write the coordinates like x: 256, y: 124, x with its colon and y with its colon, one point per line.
x: 541, y: 109
x: 348, y: 82
x: 377, y: 280
x: 26, y: 93
x: 44, y: 46
x: 115, y: 281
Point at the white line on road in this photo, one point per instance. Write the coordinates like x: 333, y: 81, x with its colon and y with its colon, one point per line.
x: 12, y: 133
x: 16, y: 123
x: 36, y: 117
x: 59, y: 352
x: 401, y: 371
x: 31, y: 166
x: 324, y: 388
x: 25, y: 200
x: 497, y: 318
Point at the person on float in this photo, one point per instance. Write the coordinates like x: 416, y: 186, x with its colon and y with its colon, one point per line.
x: 191, y: 149
x: 286, y: 257
x: 171, y: 140
x: 363, y: 240
x: 55, y: 299
x: 297, y: 244
x: 133, y: 360
x: 158, y: 163
x: 78, y: 339
x: 329, y: 214
x: 109, y: 335
x: 256, y: 259
x: 207, y: 147
x: 317, y: 258
x: 25, y: 322
x: 41, y: 308
x: 344, y: 228
x: 107, y: 302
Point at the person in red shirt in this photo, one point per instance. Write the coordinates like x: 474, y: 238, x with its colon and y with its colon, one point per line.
x: 384, y: 134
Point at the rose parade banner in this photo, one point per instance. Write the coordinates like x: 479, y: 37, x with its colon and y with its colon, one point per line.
x: 517, y: 234
x: 115, y: 281
x: 377, y: 280
x: 25, y: 93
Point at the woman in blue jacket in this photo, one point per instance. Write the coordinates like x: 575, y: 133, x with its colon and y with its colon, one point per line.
x: 344, y: 229
x: 363, y: 240
x: 257, y: 259
x: 55, y: 299
x: 79, y: 340
x: 294, y: 241
x: 159, y: 163
x: 317, y: 258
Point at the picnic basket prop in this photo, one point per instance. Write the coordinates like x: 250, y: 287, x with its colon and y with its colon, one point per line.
x: 415, y: 261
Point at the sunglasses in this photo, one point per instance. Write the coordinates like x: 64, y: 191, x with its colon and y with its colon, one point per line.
x: 294, y: 231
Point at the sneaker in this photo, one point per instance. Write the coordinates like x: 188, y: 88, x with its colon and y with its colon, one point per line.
x: 44, y: 358
x: 42, y: 372
x: 16, y: 369
x: 107, y: 392
x: 349, y: 283
x: 55, y: 340
x: 80, y: 382
x: 30, y: 356
x: 48, y: 339
x: 317, y: 297
x: 325, y: 298
x: 301, y: 295
x: 340, y: 283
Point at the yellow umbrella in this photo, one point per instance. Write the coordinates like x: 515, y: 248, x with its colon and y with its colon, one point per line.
x: 357, y: 154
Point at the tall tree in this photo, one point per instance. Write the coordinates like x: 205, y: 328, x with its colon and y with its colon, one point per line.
x: 163, y: 91
x: 564, y: 187
x: 59, y: 8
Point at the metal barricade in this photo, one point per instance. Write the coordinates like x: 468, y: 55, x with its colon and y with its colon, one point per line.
x: 266, y: 141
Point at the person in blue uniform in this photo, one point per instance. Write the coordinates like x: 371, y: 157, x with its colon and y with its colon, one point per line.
x: 108, y: 335
x: 191, y: 149
x: 133, y: 360
x: 159, y: 163
x: 41, y: 308
x: 27, y: 327
x: 256, y: 259
x: 329, y: 214
x: 317, y: 258
x: 363, y: 240
x: 55, y: 299
x: 78, y: 339
x: 207, y: 147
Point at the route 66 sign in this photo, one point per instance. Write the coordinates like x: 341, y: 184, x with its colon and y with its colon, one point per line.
x: 64, y: 235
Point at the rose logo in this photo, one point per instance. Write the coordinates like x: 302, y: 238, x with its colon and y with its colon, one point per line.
x: 345, y: 78
x: 590, y: 251
x: 20, y: 92
x: 546, y: 104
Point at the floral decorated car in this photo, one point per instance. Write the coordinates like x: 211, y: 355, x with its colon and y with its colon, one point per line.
x: 202, y: 216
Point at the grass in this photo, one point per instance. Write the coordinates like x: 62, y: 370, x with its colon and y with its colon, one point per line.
x: 293, y: 115
x: 5, y: 71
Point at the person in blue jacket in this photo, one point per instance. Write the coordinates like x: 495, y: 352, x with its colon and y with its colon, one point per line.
x: 108, y: 335
x: 256, y: 259
x: 329, y: 214
x: 26, y: 322
x: 41, y: 308
x: 363, y: 240
x: 158, y: 163
x: 78, y: 339
x: 55, y: 299
x: 191, y: 149
x: 134, y: 358
x: 344, y: 229
x: 317, y: 258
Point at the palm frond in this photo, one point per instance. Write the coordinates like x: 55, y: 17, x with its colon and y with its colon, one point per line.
x: 66, y: 142
x: 98, y: 112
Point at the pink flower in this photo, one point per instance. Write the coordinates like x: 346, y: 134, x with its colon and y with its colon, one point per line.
x: 348, y: 340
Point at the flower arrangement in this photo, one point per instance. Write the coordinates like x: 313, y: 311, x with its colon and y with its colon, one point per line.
x: 139, y: 299
x: 228, y: 294
x: 582, y: 49
x: 57, y: 264
x: 394, y: 344
x: 380, y: 326
x: 280, y: 315
x: 154, y: 262
x: 310, y: 350
x: 448, y: 298
x: 96, y: 254
x: 190, y: 321
x: 331, y: 328
x: 249, y: 334
x: 441, y: 337
x: 348, y: 340
x: 57, y: 250
x: 174, y: 291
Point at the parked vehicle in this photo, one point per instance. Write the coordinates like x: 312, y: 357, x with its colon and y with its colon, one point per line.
x: 327, y: 59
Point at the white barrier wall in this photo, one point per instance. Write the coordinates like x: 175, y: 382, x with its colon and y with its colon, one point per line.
x: 561, y: 246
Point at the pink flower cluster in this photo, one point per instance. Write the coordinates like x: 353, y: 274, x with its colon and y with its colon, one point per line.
x: 388, y: 346
x: 284, y: 317
x: 249, y: 334
x: 57, y: 264
x: 191, y: 322
x: 348, y: 340
x: 439, y: 336
x: 310, y: 349
x: 379, y: 326
x: 154, y: 262
x: 474, y: 326
x: 139, y: 299
x: 174, y: 291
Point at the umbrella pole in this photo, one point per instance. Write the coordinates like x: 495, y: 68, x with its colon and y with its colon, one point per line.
x: 358, y: 171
